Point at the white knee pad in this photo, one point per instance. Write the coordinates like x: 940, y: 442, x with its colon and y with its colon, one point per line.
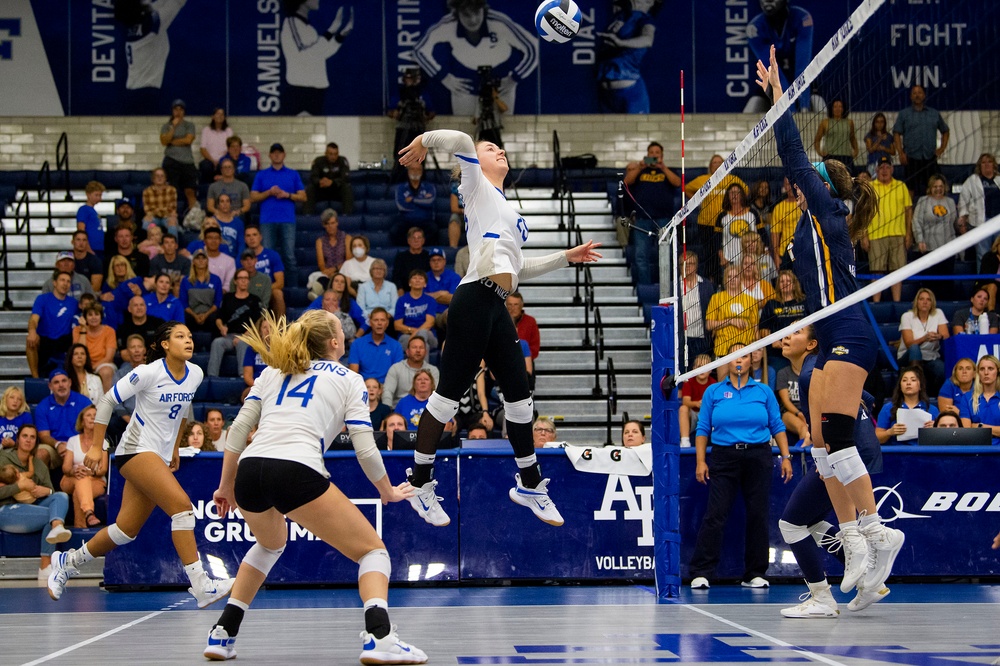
x: 522, y: 411
x: 119, y: 537
x: 792, y: 533
x: 262, y: 559
x: 375, y: 560
x: 182, y: 521
x: 441, y: 408
x: 820, y: 457
x: 847, y: 465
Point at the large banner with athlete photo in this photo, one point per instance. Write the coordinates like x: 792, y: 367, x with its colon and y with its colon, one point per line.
x: 346, y: 57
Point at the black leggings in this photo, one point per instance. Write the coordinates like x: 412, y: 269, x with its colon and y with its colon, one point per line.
x: 479, y: 327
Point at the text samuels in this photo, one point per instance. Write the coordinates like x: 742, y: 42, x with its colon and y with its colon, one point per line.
x: 176, y: 397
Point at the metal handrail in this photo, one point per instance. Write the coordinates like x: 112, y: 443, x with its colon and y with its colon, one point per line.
x: 612, y: 380
x: 8, y: 304
x: 588, y: 304
x: 557, y: 170
x: 44, y: 190
x: 62, y: 161
x: 25, y: 201
x: 579, y: 269
x: 598, y: 349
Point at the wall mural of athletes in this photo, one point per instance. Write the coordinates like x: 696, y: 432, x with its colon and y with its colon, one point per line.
x: 349, y: 57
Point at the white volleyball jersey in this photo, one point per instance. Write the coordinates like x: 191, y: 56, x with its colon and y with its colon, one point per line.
x: 494, y: 229
x: 301, y: 414
x: 161, y: 403
x: 147, y: 45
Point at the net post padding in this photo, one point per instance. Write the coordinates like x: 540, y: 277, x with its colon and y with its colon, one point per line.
x: 802, y: 84
x: 986, y: 230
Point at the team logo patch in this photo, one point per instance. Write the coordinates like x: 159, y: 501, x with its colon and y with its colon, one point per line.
x: 840, y: 350
x: 133, y: 378
x: 364, y: 397
x: 727, y: 394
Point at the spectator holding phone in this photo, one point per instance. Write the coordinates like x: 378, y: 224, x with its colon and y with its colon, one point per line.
x: 652, y: 186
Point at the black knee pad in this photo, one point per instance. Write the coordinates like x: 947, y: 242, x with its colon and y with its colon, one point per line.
x: 838, y: 431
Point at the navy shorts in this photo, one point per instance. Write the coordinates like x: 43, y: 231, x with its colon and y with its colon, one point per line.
x: 847, y: 338
x: 263, y: 483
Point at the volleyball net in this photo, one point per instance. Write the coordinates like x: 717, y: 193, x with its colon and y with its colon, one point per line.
x: 740, y: 218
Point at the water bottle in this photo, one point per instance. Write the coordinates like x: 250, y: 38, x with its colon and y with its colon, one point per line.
x: 984, y: 324
x: 971, y: 325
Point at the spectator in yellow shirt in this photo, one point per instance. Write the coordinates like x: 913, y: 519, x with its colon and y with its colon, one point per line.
x: 784, y: 218
x: 733, y: 313
x: 709, y: 211
x: 890, y: 233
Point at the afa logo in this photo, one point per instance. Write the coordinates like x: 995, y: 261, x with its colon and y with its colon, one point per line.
x: 638, y: 505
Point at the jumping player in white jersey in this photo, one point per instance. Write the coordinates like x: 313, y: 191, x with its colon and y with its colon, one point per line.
x: 147, y: 44
x: 479, y: 326
x: 147, y: 457
x: 301, y: 402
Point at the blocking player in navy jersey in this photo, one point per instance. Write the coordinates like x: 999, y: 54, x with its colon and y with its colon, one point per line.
x: 790, y: 30
x: 300, y: 403
x: 479, y: 326
x: 147, y: 457
x: 822, y: 253
x: 623, y: 45
x: 805, y: 514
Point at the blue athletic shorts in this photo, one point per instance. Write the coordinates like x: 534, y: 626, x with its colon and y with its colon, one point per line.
x: 848, y: 338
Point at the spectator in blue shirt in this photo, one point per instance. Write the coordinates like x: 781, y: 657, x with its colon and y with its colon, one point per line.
x: 234, y: 153
x: 55, y: 417
x: 441, y: 285
x: 741, y: 416
x: 415, y: 312
x: 957, y: 387
x: 412, y: 405
x: 415, y: 203
x: 50, y: 327
x: 277, y: 189
x: 268, y: 263
x: 372, y: 355
x: 201, y: 295
x: 88, y: 220
x: 981, y: 409
x: 13, y: 414
x: 162, y: 303
x: 910, y: 393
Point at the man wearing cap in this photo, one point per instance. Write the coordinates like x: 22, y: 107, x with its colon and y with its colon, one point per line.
x: 277, y: 189
x: 85, y: 262
x: 55, y: 418
x: 219, y: 263
x: 328, y: 180
x: 441, y: 285
x: 260, y: 284
x: 269, y: 263
x: 890, y: 233
x: 50, y: 327
x: 170, y: 260
x: 66, y: 263
x: 87, y: 218
x: 176, y: 136
x: 125, y: 247
x: 239, y: 193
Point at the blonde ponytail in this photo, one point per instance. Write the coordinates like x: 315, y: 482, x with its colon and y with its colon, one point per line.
x: 290, y: 348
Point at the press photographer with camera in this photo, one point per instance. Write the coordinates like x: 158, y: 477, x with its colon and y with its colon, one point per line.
x: 652, y: 187
x: 490, y: 107
x: 412, y: 112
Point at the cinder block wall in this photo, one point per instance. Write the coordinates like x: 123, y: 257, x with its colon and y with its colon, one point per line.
x: 112, y: 143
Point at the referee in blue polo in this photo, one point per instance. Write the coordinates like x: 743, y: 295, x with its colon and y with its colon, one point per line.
x: 741, y: 416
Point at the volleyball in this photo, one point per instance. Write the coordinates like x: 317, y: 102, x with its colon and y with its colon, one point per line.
x: 557, y: 20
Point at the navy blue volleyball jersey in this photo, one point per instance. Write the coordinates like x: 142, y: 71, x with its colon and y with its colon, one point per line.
x: 821, y: 249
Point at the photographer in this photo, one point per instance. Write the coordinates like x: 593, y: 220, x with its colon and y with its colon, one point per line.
x: 652, y: 186
x: 411, y: 113
x: 490, y: 107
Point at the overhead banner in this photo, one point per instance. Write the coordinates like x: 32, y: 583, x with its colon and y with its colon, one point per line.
x: 335, y: 57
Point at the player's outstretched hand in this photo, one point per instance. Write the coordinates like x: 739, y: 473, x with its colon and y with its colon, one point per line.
x: 413, y: 153
x: 584, y: 254
x: 996, y: 542
x: 769, y: 76
x: 398, y: 493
